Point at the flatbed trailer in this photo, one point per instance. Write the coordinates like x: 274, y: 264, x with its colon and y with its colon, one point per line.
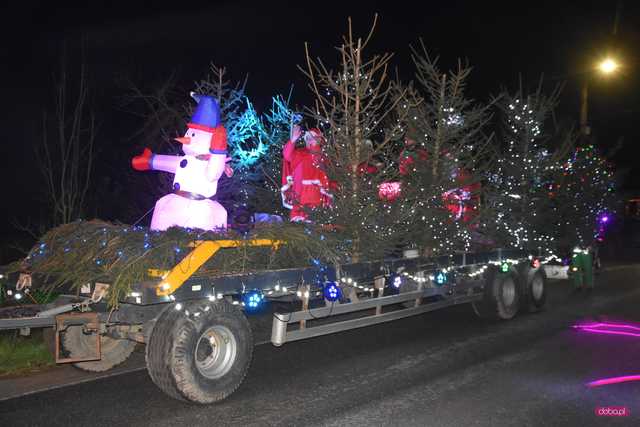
x: 199, y: 341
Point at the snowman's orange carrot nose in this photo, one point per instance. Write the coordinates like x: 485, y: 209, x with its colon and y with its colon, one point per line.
x: 183, y: 140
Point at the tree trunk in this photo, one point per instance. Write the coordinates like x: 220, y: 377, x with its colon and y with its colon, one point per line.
x: 357, y: 135
x: 440, y: 115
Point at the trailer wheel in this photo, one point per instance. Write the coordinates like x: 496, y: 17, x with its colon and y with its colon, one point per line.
x: 200, y: 351
x: 114, y: 351
x: 534, y: 291
x: 501, y: 299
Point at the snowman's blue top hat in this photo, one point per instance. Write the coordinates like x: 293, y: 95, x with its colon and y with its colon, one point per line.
x: 207, y: 114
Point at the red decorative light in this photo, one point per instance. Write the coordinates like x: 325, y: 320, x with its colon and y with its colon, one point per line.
x: 389, y: 191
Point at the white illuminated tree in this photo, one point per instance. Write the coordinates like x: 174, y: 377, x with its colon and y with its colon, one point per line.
x: 584, y: 194
x: 521, y: 187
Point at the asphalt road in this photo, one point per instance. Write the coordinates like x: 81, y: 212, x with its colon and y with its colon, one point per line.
x: 445, y: 368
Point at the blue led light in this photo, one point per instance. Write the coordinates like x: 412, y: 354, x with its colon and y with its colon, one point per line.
x: 296, y: 118
x: 332, y: 291
x: 441, y: 278
x: 396, y: 281
x: 252, y: 300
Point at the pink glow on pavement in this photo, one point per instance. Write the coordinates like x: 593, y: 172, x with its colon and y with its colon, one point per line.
x: 607, y: 328
x: 610, y: 332
x: 614, y: 380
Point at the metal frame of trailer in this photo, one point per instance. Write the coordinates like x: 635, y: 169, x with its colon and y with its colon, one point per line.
x: 147, y: 299
x: 183, y: 309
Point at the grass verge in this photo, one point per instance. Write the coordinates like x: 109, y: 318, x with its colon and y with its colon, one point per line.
x: 21, y: 355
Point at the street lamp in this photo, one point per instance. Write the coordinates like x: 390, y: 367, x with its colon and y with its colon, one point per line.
x: 605, y: 67
x: 608, y: 66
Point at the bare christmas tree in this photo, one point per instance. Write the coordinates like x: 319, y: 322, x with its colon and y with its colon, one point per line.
x: 353, y: 105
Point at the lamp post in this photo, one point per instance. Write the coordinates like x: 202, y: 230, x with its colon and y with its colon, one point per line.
x: 606, y: 67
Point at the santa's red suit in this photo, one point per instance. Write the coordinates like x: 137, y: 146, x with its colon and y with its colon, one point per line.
x: 304, y: 183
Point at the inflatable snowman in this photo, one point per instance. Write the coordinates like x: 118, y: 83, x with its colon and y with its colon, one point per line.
x: 196, y: 172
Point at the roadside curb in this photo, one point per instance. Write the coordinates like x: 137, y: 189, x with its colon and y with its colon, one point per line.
x: 63, y: 376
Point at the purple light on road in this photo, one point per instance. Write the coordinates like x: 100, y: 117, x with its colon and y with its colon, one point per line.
x: 611, y: 332
x: 611, y: 329
x: 606, y: 327
x: 614, y: 380
x: 604, y: 219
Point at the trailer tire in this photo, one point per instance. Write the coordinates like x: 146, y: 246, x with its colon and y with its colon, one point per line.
x: 501, y: 298
x: 534, y: 290
x: 114, y: 351
x: 201, y: 352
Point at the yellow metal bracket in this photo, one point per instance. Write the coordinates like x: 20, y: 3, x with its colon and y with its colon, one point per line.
x: 202, y: 252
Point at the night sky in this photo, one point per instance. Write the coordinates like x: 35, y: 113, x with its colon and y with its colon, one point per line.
x: 146, y: 43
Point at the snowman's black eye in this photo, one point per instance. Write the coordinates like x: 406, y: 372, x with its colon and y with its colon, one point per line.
x: 193, y: 134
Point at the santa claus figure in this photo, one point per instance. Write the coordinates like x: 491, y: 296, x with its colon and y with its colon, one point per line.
x: 304, y: 183
x: 196, y: 172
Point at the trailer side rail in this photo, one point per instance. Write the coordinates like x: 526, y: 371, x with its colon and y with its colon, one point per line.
x: 281, y: 334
